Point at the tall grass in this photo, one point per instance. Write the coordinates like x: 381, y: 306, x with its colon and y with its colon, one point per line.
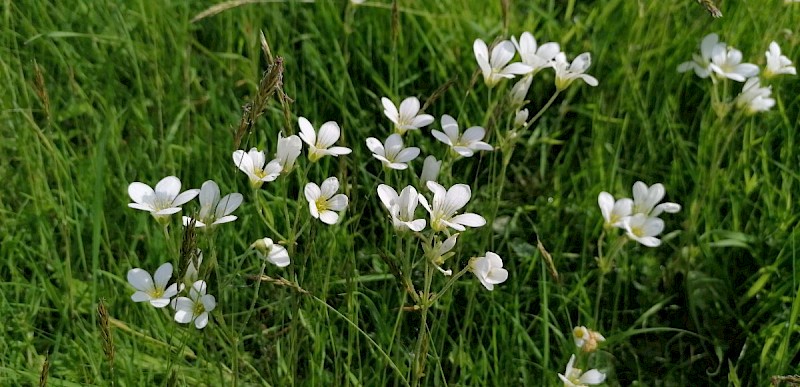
x: 100, y: 94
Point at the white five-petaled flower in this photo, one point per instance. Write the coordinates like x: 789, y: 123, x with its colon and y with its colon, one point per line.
x: 392, y: 154
x: 272, y: 252
x: 586, y: 339
x: 537, y: 58
x: 401, y: 207
x: 321, y: 201
x: 700, y: 63
x: 162, y: 202
x: 754, y: 98
x: 153, y: 289
x: 319, y: 144
x: 496, y: 68
x: 573, y: 377
x: 213, y: 209
x: 776, y: 63
x: 727, y: 62
x: 567, y: 72
x: 646, y: 200
x: 466, y: 144
x: 643, y: 229
x: 430, y: 170
x: 489, y: 270
x: 253, y: 163
x: 195, y: 307
x: 614, y: 211
x: 288, y: 150
x: 407, y: 117
x: 446, y: 204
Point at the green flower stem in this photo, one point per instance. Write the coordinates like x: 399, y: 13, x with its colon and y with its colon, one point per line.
x: 605, y: 264
x: 542, y: 110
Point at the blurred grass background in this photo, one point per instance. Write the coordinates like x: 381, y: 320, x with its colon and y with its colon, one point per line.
x: 99, y: 94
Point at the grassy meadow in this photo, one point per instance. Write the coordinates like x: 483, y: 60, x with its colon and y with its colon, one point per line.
x: 98, y: 95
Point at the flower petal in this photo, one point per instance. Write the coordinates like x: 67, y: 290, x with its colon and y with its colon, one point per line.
x: 140, y: 279
x: 328, y: 217
x: 329, y: 133
x: 338, y: 202
x: 140, y: 192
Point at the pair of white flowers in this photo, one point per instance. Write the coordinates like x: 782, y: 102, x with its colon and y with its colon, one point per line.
x: 157, y: 290
x: 638, y: 217
x: 394, y: 155
x: 166, y: 200
x: 320, y: 144
x: 534, y: 58
x: 717, y: 59
x: 443, y: 209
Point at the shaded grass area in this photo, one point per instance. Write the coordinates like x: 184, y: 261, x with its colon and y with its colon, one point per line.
x: 102, y: 94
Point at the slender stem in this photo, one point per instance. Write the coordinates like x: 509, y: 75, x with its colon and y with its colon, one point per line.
x: 421, y: 354
x: 449, y: 284
x: 605, y: 263
x: 543, y: 109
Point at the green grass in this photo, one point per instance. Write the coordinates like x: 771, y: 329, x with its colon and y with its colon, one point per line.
x: 135, y: 91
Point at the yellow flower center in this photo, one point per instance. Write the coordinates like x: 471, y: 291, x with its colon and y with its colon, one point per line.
x: 322, y: 204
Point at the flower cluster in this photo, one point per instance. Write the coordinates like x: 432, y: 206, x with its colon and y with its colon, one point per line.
x: 166, y: 199
x: 586, y: 340
x: 534, y: 58
x: 717, y: 60
x: 638, y: 217
x: 157, y: 290
x: 444, y: 208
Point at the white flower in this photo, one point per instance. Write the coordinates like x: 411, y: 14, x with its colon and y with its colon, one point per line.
x: 441, y: 252
x: 214, y: 210
x: 537, y: 58
x: 776, y: 63
x: 566, y: 72
x: 272, y: 252
x: 614, y: 211
x: 494, y: 69
x: 643, y: 229
x: 321, y: 201
x: 521, y: 118
x: 646, y: 199
x: 573, y: 377
x: 252, y: 163
x: 408, y: 117
x: 519, y: 91
x: 489, y: 270
x: 392, y: 154
x: 586, y: 339
x: 401, y: 207
x: 319, y: 144
x: 465, y: 145
x: 446, y: 204
x: 192, y: 270
x: 754, y: 98
x: 162, y: 202
x: 152, y: 289
x: 700, y: 63
x: 430, y: 170
x: 728, y: 63
x: 195, y: 307
x: 288, y: 150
